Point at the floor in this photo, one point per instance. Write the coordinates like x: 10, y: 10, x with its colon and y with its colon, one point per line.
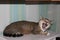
x: 31, y: 37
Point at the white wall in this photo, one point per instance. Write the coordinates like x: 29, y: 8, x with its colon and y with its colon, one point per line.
x: 32, y: 13
x: 4, y: 16
x: 58, y: 19
x: 54, y: 13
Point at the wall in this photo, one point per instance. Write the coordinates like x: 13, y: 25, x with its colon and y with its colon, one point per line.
x: 58, y: 18
x: 32, y: 13
x: 17, y: 12
x: 52, y: 14
x: 24, y: 12
x: 4, y: 16
x: 43, y: 10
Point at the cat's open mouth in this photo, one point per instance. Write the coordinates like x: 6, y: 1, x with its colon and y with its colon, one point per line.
x: 44, y: 25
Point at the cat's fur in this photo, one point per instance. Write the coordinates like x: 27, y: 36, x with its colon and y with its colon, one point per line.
x: 20, y: 28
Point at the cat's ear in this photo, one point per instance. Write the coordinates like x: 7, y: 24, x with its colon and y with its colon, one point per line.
x: 42, y: 17
x: 51, y: 21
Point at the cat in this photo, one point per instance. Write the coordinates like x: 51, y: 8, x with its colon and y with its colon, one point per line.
x: 19, y: 28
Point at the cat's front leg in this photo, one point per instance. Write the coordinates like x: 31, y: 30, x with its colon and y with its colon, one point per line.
x: 45, y: 33
x: 48, y: 33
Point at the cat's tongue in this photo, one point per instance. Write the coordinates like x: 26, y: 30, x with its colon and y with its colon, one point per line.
x: 44, y: 25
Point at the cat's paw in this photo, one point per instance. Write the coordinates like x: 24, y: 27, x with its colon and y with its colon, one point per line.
x: 48, y: 34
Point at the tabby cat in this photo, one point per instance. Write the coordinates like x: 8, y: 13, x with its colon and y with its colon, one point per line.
x: 19, y: 28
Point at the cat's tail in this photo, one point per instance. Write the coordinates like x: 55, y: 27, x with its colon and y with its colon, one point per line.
x: 12, y: 35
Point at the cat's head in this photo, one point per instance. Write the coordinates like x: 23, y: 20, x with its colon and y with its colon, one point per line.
x: 44, y: 23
